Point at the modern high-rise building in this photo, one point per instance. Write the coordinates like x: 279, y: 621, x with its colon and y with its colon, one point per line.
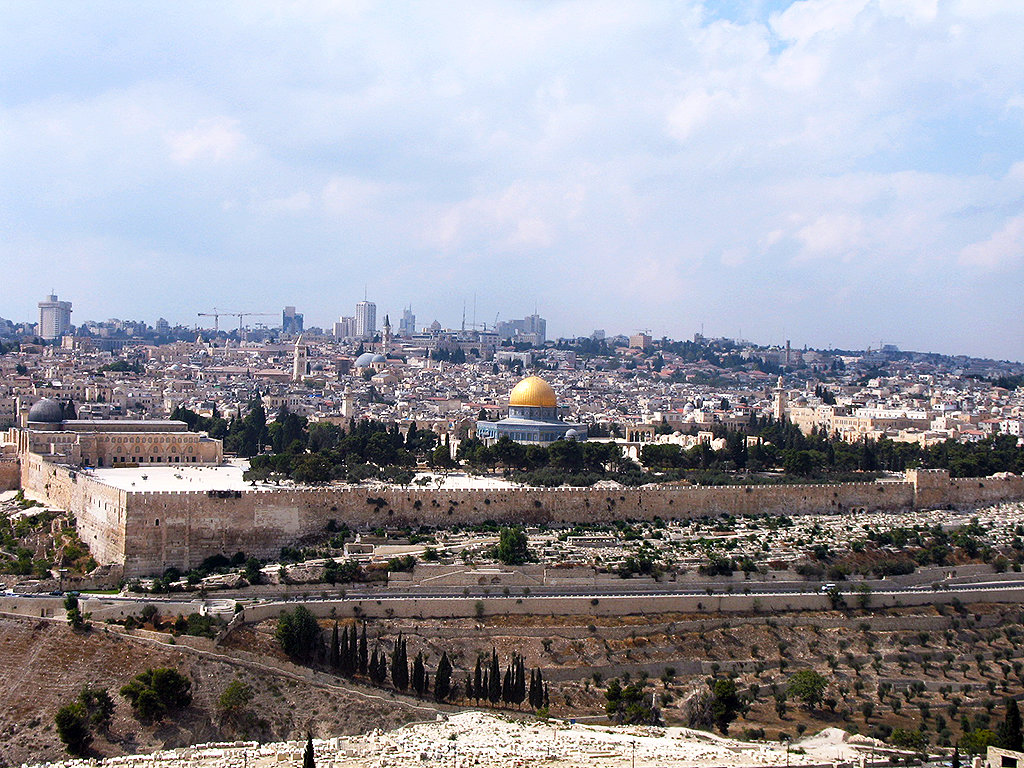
x: 54, y: 317
x: 366, y: 319
x: 291, y: 322
x: 345, y: 328
x: 407, y: 323
x: 532, y: 328
x: 536, y: 325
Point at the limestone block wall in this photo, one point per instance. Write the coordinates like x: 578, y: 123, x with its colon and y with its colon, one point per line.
x: 151, y: 531
x: 99, y: 509
x: 182, y: 529
x: 979, y: 491
x: 10, y: 474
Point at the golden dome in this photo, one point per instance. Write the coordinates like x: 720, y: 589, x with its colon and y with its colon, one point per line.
x: 533, y: 391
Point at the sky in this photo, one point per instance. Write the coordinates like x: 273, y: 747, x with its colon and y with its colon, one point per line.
x: 838, y: 173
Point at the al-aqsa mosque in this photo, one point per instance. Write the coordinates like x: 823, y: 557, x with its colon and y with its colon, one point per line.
x: 532, y: 417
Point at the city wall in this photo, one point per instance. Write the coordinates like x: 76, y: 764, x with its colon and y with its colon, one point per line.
x: 99, y: 509
x: 10, y: 474
x: 182, y: 529
x: 151, y: 531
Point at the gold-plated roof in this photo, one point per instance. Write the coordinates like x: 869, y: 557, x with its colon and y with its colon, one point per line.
x: 533, y: 391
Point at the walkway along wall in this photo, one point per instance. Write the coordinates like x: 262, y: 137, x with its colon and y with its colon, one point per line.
x: 469, y: 607
x: 151, y: 531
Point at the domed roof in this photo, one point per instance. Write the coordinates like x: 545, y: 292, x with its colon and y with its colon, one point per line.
x: 367, y: 359
x: 46, y: 411
x: 572, y: 434
x: 533, y: 391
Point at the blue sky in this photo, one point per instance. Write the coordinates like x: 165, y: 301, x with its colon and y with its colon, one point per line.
x: 834, y: 172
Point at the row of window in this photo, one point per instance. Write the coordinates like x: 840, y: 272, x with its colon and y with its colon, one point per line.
x: 136, y: 439
x: 150, y: 460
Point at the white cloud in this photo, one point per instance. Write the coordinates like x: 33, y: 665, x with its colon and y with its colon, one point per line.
x: 805, y: 19
x: 588, y: 137
x: 831, y: 235
x: 1005, y: 248
x: 210, y: 140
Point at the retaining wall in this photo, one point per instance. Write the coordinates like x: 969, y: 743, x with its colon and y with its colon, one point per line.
x: 446, y: 608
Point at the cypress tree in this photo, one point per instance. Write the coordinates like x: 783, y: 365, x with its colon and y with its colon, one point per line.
x: 308, y: 760
x: 400, y: 665
x: 506, y: 686
x: 1010, y: 736
x: 343, y: 651
x: 536, y: 698
x: 483, y: 693
x: 353, y: 651
x: 417, y: 674
x: 469, y: 688
x: 494, y: 687
x: 443, y: 678
x: 547, y: 700
x: 363, y: 661
x: 519, y: 689
x: 478, y: 688
x: 333, y: 657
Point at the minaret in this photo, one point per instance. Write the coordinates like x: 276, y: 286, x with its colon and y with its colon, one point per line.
x: 299, y: 364
x: 779, y: 407
x: 385, y: 337
x: 348, y: 404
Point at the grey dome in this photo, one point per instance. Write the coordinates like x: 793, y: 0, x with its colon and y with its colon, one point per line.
x: 367, y: 359
x: 572, y: 434
x: 46, y: 411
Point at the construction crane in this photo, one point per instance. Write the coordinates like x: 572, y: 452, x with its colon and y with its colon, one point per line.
x: 216, y: 317
x: 242, y: 315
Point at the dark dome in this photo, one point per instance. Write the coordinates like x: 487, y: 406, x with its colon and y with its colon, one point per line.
x: 46, y: 411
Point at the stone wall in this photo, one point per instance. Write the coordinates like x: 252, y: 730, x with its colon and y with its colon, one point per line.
x: 151, y: 531
x: 181, y: 529
x: 10, y: 474
x: 99, y: 509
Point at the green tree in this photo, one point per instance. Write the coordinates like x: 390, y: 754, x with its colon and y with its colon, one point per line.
x: 725, y: 702
x: 443, y: 678
x: 400, y: 665
x: 235, y: 698
x: 808, y: 686
x: 72, y: 721
x: 155, y: 692
x: 76, y: 618
x: 494, y: 679
x: 419, y: 675
x: 512, y: 546
x: 308, y: 758
x: 908, y: 739
x: 98, y: 704
x: 299, y: 634
x: 1010, y: 736
x: 252, y: 573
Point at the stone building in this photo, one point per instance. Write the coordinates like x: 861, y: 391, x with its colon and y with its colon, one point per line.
x: 89, y: 443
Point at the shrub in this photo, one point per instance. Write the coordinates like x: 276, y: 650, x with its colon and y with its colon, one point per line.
x: 156, y: 692
x: 72, y: 722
